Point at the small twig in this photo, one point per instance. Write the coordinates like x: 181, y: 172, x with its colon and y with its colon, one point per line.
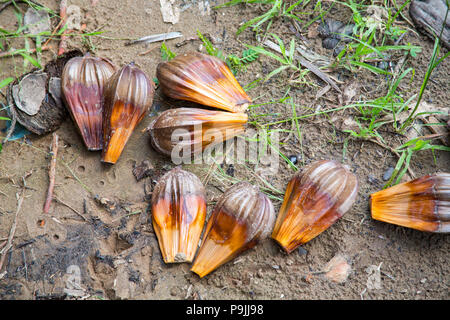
x: 25, y: 263
x: 54, y: 32
x: 127, y: 215
x: 51, y: 173
x: 12, y: 231
x: 206, y: 179
x: 68, y: 206
x: 149, y: 50
x: 63, y: 16
x: 13, y: 115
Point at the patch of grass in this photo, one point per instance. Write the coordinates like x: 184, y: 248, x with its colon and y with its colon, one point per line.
x: 434, y: 62
x: 166, y: 53
x: 368, y: 46
x: 272, y: 192
x: 406, y: 150
x: 279, y: 9
x: 287, y: 61
x: 3, y: 84
x: 32, y: 56
x: 234, y: 62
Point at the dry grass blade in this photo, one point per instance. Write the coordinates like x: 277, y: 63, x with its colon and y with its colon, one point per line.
x: 307, y: 65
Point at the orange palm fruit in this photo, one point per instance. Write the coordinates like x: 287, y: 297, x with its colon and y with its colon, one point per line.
x: 422, y: 204
x: 82, y: 83
x: 128, y: 96
x: 202, y: 79
x: 194, y: 129
x: 242, y: 217
x: 315, y: 198
x: 178, y: 214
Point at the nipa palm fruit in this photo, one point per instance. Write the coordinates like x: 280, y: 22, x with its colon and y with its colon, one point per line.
x: 422, y: 204
x: 128, y: 96
x: 82, y: 84
x: 178, y: 214
x: 202, y: 79
x: 242, y: 217
x: 315, y: 198
x: 193, y: 130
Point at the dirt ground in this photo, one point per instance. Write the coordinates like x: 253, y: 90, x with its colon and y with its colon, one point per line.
x: 114, y: 247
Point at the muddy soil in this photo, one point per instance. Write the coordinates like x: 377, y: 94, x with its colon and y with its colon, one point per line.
x: 97, y: 242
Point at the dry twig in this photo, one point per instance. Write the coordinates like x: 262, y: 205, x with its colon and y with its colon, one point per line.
x: 12, y: 231
x: 51, y: 173
x: 70, y: 207
x: 63, y: 16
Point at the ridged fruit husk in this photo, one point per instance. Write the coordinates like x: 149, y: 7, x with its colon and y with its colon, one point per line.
x: 202, y: 79
x: 422, y: 204
x: 242, y: 217
x: 315, y: 198
x: 83, y: 81
x: 193, y: 130
x: 178, y: 214
x: 128, y: 95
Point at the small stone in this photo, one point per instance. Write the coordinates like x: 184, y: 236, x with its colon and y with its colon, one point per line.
x: 36, y: 21
x: 174, y: 291
x: 372, y: 180
x: 293, y: 159
x: 230, y: 170
x: 308, y: 278
x: 388, y: 173
x: 338, y: 269
x: 423, y: 280
x: 302, y: 251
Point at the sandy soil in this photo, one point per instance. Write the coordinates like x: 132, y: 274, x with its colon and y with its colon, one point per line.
x: 114, y: 247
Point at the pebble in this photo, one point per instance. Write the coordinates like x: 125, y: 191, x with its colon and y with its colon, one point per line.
x: 173, y: 291
x: 260, y: 274
x: 302, y: 251
x: 372, y: 179
x: 338, y: 269
x: 293, y: 159
x: 388, y: 173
